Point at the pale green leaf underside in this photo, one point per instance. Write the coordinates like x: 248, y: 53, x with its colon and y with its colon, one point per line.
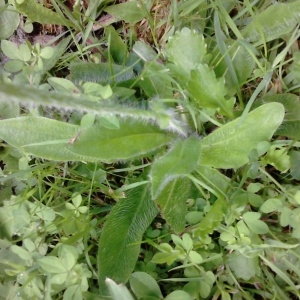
x: 51, y: 139
x: 119, y: 244
x: 179, y: 161
x: 229, y: 146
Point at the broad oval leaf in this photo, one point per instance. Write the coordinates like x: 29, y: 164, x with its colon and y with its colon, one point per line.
x: 228, y: 146
x: 119, y: 244
x: 242, y: 266
x: 252, y: 219
x: 132, y: 139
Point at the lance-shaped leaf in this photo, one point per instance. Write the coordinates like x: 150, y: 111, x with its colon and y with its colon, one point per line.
x: 207, y: 91
x: 132, y: 139
x: 172, y: 202
x: 120, y: 240
x: 39, y: 136
x: 229, y: 146
x: 61, y: 141
x: 33, y: 96
x: 179, y: 161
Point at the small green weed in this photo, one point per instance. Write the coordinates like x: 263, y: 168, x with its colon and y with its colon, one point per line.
x: 150, y: 151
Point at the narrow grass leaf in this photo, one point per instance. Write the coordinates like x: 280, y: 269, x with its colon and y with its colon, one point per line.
x: 279, y: 272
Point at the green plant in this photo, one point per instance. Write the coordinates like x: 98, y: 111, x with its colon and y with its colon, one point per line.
x: 159, y: 136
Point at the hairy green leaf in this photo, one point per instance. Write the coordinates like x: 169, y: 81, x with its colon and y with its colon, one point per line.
x: 119, y: 244
x: 39, y: 136
x: 102, y: 72
x: 61, y: 141
x: 31, y: 96
x: 179, y: 161
x: 38, y: 13
x: 275, y: 21
x: 132, y: 139
x: 290, y: 126
x: 172, y: 202
x: 229, y: 146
